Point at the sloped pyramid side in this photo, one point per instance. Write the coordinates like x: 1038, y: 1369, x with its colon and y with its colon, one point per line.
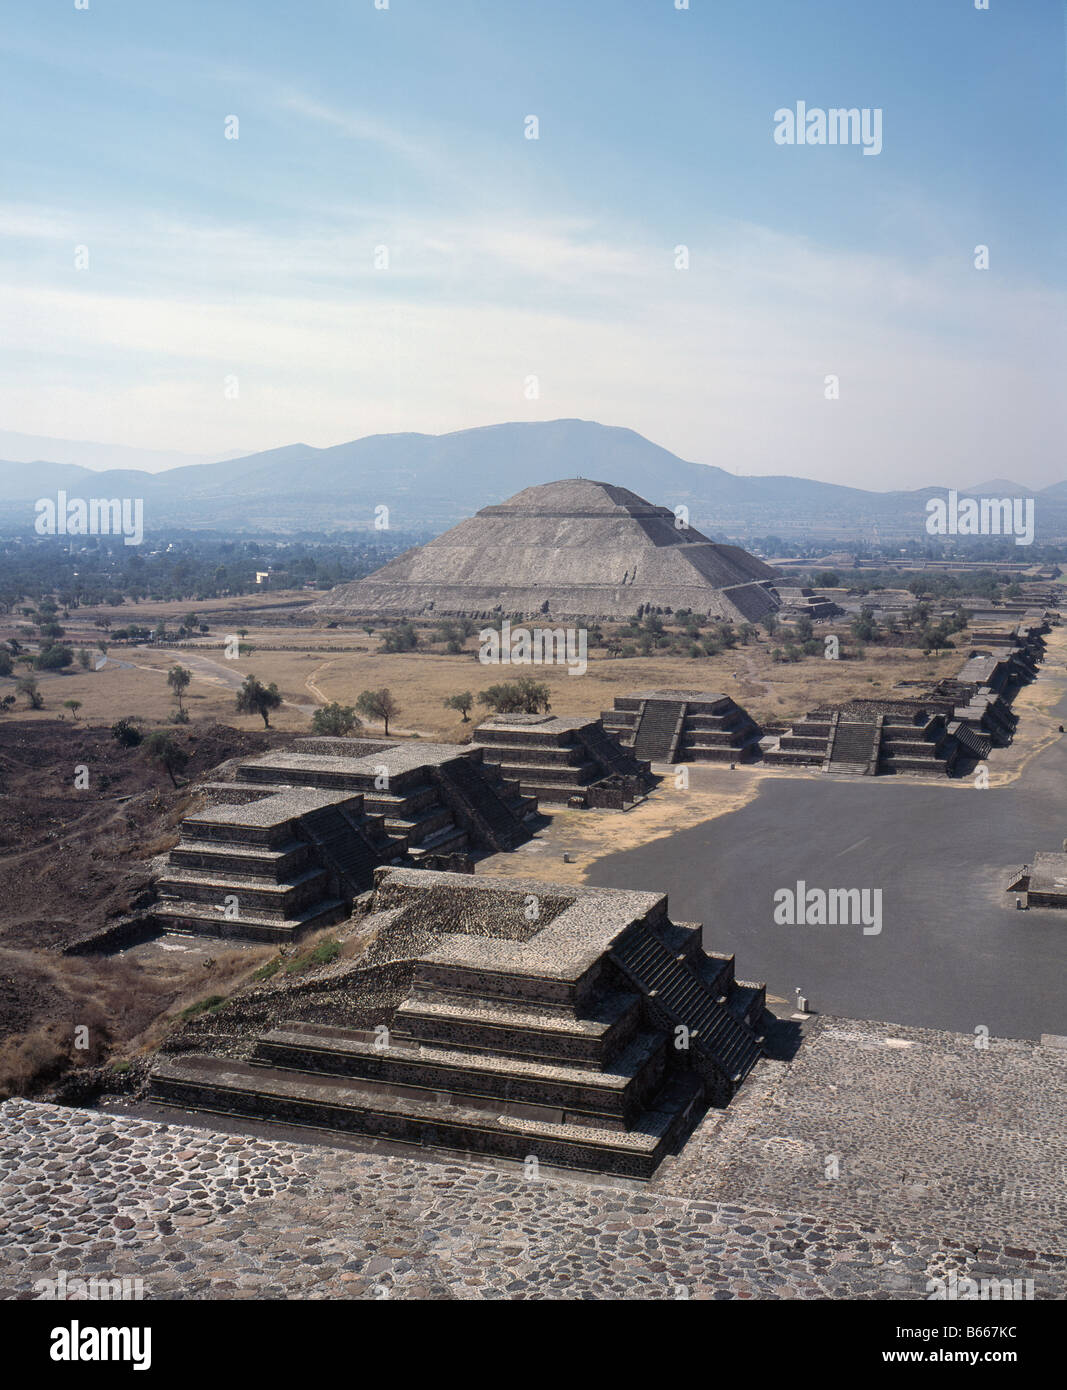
x: 573, y: 549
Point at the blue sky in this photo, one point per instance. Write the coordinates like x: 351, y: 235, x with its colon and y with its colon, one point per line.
x: 231, y: 300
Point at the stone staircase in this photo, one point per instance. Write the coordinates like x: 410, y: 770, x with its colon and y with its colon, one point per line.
x: 682, y: 726
x: 683, y: 997
x: 492, y: 802
x: 659, y: 729
x: 854, y: 747
x: 552, y: 1040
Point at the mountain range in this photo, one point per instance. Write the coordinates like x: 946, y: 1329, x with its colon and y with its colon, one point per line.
x: 433, y: 481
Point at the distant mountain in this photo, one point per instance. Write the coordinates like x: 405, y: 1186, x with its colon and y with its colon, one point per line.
x: 28, y: 448
x: 435, y: 480
x: 999, y: 487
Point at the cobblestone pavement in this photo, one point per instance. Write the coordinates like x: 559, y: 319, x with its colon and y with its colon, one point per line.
x: 196, y: 1213
x: 928, y: 1131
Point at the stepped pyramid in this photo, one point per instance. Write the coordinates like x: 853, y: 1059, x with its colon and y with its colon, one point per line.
x: 592, y: 1033
x: 572, y: 549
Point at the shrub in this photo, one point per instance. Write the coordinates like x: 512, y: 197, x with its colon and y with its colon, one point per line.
x: 335, y: 720
x: 126, y: 733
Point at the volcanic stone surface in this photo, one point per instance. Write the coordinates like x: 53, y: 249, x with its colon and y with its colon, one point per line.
x: 949, y: 1160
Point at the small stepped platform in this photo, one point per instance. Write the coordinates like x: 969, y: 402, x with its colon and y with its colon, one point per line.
x: 683, y: 726
x: 563, y: 760
x: 554, y: 1039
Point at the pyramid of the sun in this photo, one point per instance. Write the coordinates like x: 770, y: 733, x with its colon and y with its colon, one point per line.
x: 572, y: 549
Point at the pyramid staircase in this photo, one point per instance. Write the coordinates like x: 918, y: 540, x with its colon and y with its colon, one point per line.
x: 681, y: 996
x: 854, y: 746
x: 659, y: 729
x: 682, y: 726
x: 496, y: 1052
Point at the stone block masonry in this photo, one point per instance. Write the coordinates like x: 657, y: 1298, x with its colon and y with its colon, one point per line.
x: 580, y: 1026
x: 563, y: 760
x: 682, y: 726
x: 296, y: 837
x: 746, y: 1212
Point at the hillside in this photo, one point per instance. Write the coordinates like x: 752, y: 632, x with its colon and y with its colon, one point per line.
x: 436, y: 480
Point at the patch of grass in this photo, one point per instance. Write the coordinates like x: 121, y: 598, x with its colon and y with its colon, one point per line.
x: 268, y: 971
x: 322, y: 954
x: 209, y: 1005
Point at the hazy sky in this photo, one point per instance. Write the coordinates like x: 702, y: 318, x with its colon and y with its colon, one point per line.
x: 218, y: 264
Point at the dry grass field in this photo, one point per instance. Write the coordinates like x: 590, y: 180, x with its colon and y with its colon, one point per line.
x: 337, y: 663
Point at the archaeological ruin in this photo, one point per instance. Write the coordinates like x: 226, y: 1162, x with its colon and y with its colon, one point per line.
x: 573, y: 549
x: 931, y: 729
x: 289, y: 843
x: 570, y: 760
x: 681, y: 726
x: 508, y: 1018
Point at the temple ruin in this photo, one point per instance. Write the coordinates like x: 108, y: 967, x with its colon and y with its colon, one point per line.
x: 290, y: 843
x: 683, y: 726
x: 928, y: 728
x: 512, y: 1018
x: 572, y: 549
x: 564, y: 760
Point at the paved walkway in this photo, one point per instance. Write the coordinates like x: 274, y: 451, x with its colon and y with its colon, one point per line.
x: 969, y: 1180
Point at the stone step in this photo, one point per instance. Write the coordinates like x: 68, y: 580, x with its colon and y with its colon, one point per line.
x: 256, y: 897
x: 195, y: 919
x: 613, y: 1098
x: 506, y: 1029
x: 450, y: 839
x: 223, y: 1086
x: 249, y: 861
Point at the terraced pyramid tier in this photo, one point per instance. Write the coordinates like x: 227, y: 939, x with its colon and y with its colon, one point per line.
x: 577, y: 1026
x: 570, y: 549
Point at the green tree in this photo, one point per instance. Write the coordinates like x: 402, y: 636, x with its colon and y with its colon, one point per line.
x: 864, y: 628
x: 74, y: 706
x: 521, y: 696
x: 178, y: 679
x: 54, y: 658
x: 461, y: 702
x: 335, y: 720
x: 28, y: 686
x: 402, y: 638
x: 126, y: 733
x: 256, y: 698
x: 378, y: 705
x: 164, y: 749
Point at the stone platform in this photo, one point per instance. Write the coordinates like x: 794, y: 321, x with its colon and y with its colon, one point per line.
x: 295, y: 838
x: 571, y: 760
x: 580, y: 1026
x: 967, y: 1181
x: 683, y: 726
